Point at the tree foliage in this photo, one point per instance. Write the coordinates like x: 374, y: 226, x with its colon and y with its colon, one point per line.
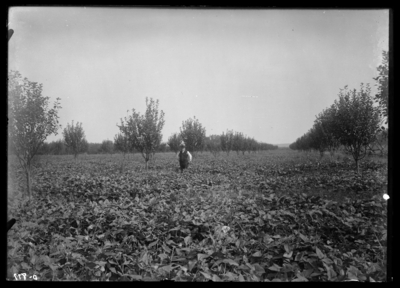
x: 325, y: 128
x: 163, y: 147
x: 380, y: 144
x: 173, y: 142
x: 382, y: 97
x: 213, y: 144
x: 122, y: 144
x: 251, y: 144
x: 193, y: 134
x: 31, y: 120
x: 302, y: 143
x: 93, y: 148
x: 57, y: 147
x: 107, y: 146
x: 266, y: 146
x: 227, y: 141
x: 74, y: 138
x: 238, y: 142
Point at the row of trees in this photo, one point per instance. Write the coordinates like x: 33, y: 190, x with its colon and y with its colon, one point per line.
x: 194, y: 136
x: 130, y: 139
x: 59, y: 147
x: 213, y: 143
x: 352, y: 121
x: 142, y: 133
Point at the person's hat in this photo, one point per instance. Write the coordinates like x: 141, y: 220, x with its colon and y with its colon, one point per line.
x: 182, y: 144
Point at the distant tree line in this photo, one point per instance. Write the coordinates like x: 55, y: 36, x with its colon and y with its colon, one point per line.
x: 135, y: 137
x: 194, y: 136
x: 58, y: 147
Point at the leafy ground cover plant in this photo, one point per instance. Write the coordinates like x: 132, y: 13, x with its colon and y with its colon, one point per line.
x: 271, y: 216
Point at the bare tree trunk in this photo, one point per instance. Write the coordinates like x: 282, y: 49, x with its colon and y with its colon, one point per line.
x: 123, y: 163
x: 28, y: 181
x: 357, y: 166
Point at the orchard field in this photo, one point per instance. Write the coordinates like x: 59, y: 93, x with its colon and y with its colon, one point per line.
x: 278, y: 215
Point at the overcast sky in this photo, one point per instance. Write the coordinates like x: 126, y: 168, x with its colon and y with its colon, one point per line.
x: 265, y: 73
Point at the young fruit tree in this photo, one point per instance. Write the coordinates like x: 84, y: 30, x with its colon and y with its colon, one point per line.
x: 144, y: 131
x: 302, y: 143
x: 380, y: 144
x: 243, y: 147
x: 265, y: 146
x: 317, y: 140
x: 163, y: 147
x: 30, y: 120
x: 173, y: 142
x: 193, y: 134
x: 213, y: 144
x: 44, y: 149
x: 325, y: 125
x: 238, y: 142
x: 357, y: 121
x: 57, y: 147
x: 123, y: 145
x: 227, y: 141
x: 251, y: 145
x: 74, y: 138
x: 107, y: 146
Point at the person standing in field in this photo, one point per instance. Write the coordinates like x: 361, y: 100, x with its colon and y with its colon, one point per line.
x: 184, y: 157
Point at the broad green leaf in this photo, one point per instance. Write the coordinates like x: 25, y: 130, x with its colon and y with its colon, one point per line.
x: 299, y: 256
x: 202, y: 256
x: 136, y: 277
x: 319, y: 253
x: 275, y: 267
x: 300, y: 278
x: 215, y: 278
x: 230, y: 261
x: 152, y: 244
x: 166, y: 248
x: 217, y: 263
x: 163, y: 256
x: 167, y: 268
x: 258, y: 269
x: 187, y: 240
x: 206, y: 275
x: 288, y: 255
